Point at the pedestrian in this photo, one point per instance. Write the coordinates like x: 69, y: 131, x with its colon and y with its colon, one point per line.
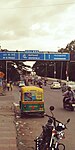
x: 8, y: 86
x: 40, y: 83
x: 45, y: 82
x: 4, y: 86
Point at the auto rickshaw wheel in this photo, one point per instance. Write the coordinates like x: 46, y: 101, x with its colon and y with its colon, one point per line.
x: 42, y: 114
x: 22, y: 114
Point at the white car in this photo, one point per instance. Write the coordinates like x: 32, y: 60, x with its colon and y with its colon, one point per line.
x: 21, y: 83
x: 55, y: 85
x: 71, y: 84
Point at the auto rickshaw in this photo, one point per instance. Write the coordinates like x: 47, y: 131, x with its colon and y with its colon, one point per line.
x: 32, y: 101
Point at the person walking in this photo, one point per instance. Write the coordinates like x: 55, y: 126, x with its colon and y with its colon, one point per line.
x: 8, y: 86
x: 11, y: 86
x: 45, y: 82
x: 40, y: 83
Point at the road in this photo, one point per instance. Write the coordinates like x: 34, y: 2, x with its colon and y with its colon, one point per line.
x: 29, y: 128
x: 54, y: 97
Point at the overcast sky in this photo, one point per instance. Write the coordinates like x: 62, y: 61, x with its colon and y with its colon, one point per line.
x: 36, y: 24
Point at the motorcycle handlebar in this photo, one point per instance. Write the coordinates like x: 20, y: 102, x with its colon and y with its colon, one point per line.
x: 55, y: 120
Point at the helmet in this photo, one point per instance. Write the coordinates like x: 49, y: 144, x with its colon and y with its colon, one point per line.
x: 64, y: 83
x: 69, y: 88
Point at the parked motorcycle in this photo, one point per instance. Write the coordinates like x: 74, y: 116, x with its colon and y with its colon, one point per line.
x: 51, y: 135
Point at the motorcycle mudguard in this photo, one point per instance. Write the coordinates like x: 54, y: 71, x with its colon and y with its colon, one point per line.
x: 68, y: 106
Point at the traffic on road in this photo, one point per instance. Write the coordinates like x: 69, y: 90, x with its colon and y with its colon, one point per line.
x: 29, y: 127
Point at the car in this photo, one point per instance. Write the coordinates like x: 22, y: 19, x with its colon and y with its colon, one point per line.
x: 55, y: 85
x: 71, y: 84
x: 21, y: 83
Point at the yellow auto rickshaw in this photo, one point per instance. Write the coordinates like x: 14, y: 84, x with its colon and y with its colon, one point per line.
x: 32, y: 100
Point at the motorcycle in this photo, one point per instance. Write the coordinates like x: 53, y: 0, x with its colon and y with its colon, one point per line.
x: 51, y: 135
x: 68, y: 104
x: 40, y: 84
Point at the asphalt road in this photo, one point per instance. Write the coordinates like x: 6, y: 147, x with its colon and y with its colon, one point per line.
x: 51, y: 97
x: 54, y: 97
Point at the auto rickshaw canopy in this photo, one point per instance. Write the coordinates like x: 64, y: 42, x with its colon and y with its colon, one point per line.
x: 36, y: 93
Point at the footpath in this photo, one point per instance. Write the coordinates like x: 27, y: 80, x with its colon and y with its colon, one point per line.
x: 8, y: 135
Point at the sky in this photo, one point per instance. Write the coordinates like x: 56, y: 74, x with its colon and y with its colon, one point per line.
x: 44, y: 25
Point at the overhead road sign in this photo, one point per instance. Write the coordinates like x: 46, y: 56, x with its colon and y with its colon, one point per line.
x: 9, y: 56
x: 31, y: 56
x: 57, y: 56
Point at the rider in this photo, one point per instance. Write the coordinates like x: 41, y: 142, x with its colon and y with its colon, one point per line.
x: 40, y: 83
x: 68, y: 95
